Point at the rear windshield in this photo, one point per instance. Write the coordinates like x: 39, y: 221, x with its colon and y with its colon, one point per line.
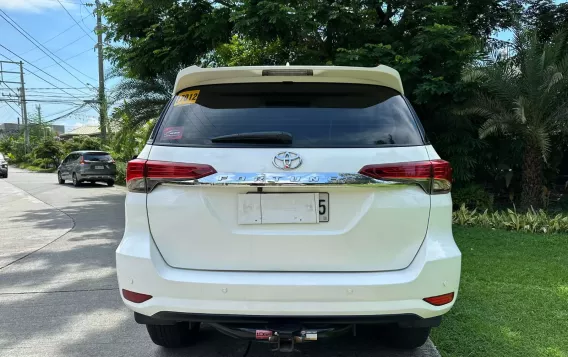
x: 312, y: 114
x: 97, y: 157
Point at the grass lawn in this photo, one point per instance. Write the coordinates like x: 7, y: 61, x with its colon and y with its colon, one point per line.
x: 513, y: 297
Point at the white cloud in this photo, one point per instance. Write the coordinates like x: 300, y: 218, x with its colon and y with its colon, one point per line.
x: 33, y: 5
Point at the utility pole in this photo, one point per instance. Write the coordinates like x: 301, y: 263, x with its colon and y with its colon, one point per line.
x: 22, y: 92
x: 102, y: 99
x: 24, y: 110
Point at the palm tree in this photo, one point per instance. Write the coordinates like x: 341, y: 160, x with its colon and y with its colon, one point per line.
x: 142, y: 99
x: 525, y: 96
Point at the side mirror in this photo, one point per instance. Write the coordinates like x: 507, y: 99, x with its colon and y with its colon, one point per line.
x: 134, y: 157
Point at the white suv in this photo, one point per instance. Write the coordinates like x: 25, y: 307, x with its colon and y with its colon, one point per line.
x: 288, y: 204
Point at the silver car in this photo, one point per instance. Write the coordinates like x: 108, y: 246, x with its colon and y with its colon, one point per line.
x: 3, y: 166
x: 87, y: 166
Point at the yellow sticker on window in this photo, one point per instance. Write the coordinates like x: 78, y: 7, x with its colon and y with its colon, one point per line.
x: 187, y: 97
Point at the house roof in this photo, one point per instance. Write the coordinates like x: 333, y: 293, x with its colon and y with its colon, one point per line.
x: 380, y: 75
x: 84, y: 130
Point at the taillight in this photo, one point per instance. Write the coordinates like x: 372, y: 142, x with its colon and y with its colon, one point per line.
x: 144, y: 175
x: 434, y: 176
x: 135, y: 180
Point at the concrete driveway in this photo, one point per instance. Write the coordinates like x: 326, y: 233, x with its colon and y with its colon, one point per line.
x: 58, y: 291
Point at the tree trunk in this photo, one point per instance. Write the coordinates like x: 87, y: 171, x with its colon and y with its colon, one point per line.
x: 531, y: 194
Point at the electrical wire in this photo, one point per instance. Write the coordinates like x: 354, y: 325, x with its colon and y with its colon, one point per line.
x: 61, y: 48
x: 11, y: 107
x: 56, y: 113
x: 43, y: 79
x: 18, y: 27
x: 54, y: 37
x: 68, y: 58
x: 44, y: 101
x: 71, y: 16
x: 65, y: 115
x: 50, y: 88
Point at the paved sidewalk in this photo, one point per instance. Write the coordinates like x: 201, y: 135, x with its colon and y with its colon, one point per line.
x: 26, y: 224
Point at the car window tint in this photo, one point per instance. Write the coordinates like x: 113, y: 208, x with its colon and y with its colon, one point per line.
x: 315, y: 114
x: 97, y: 157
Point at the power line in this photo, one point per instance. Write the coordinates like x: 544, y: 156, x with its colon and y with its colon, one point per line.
x: 16, y: 26
x: 50, y: 88
x: 71, y: 16
x: 44, y: 101
x: 68, y: 58
x: 54, y: 37
x: 40, y: 96
x: 11, y: 107
x: 56, y: 113
x: 43, y: 79
x: 59, y: 49
x: 65, y: 115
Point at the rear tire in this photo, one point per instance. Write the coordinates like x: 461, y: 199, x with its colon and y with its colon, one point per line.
x: 76, y: 182
x: 110, y: 183
x: 60, y: 178
x: 173, y: 336
x: 405, y: 338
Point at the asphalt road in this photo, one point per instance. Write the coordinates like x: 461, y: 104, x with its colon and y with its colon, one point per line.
x: 58, y: 291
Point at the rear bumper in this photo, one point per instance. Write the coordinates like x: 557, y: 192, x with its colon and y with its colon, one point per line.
x: 95, y: 177
x: 403, y: 320
x: 187, y: 294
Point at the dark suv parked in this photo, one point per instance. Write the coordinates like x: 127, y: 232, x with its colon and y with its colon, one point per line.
x: 91, y: 166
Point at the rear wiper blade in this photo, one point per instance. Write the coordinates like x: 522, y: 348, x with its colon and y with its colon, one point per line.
x: 265, y: 137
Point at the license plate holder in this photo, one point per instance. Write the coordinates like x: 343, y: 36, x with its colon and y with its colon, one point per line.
x: 99, y: 167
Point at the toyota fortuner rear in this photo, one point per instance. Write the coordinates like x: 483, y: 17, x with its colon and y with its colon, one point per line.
x: 270, y: 197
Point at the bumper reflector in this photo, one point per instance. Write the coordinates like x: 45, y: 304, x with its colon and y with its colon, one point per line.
x: 440, y: 299
x: 135, y: 297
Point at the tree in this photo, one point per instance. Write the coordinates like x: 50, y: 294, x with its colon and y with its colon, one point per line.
x: 525, y: 97
x: 152, y: 37
x: 546, y: 17
x: 141, y: 100
x: 82, y: 142
x: 48, y: 152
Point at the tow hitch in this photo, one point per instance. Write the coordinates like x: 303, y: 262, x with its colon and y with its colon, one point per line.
x: 283, y: 338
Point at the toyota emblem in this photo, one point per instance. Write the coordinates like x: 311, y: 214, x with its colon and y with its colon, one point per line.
x: 287, y: 160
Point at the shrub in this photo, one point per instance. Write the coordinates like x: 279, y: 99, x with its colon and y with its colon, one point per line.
x: 531, y: 221
x: 82, y: 142
x: 44, y: 163
x: 120, y: 173
x: 472, y: 196
x: 49, y: 151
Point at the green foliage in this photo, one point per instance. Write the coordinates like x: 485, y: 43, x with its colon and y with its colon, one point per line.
x: 48, y: 153
x: 120, y: 173
x: 82, y: 142
x: 533, y: 221
x: 249, y: 52
x: 14, y: 147
x: 472, y: 196
x: 154, y: 37
x: 526, y: 98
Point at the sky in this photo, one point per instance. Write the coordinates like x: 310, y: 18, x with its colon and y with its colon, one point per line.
x: 48, y: 22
